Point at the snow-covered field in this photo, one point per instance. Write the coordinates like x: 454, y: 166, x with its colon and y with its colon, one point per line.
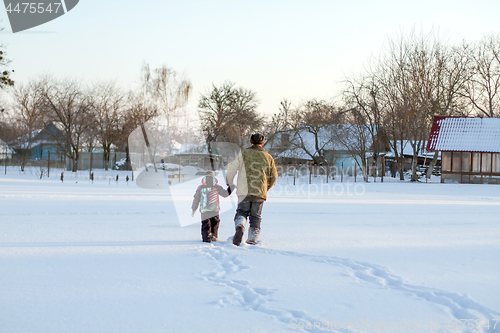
x: 112, y: 257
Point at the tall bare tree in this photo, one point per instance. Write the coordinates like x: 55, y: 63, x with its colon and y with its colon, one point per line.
x: 363, y: 118
x: 279, y: 122
x: 29, y: 114
x: 311, y: 123
x: 229, y: 114
x: 419, y: 78
x: 483, y: 87
x: 108, y: 109
x: 169, y: 90
x: 69, y: 104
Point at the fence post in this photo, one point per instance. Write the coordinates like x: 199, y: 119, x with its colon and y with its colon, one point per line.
x: 342, y: 172
x: 327, y: 172
x: 383, y: 169
x: 310, y: 171
x: 90, y: 171
x: 294, y: 171
x: 6, y: 154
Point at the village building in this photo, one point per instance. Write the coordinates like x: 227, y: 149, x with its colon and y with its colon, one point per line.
x: 470, y: 149
x: 322, y: 150
x: 40, y: 143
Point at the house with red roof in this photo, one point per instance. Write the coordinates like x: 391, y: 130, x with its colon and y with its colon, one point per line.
x: 470, y: 149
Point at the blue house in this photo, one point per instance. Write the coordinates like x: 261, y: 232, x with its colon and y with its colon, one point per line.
x: 37, y: 144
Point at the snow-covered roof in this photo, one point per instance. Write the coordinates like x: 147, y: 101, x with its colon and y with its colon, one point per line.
x: 407, y: 149
x: 295, y: 154
x: 47, y: 135
x: 327, y: 138
x: 465, y: 134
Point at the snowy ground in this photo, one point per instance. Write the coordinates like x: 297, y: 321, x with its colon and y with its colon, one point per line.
x: 111, y: 257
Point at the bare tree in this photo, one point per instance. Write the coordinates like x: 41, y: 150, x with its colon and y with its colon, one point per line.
x: 138, y: 110
x: 216, y: 112
x: 108, y: 110
x: 362, y: 135
x: 244, y: 118
x: 453, y: 76
x: 279, y: 122
x: 418, y: 78
x: 29, y: 115
x: 483, y: 87
x: 311, y: 123
x: 68, y: 103
x: 169, y: 90
x: 229, y: 114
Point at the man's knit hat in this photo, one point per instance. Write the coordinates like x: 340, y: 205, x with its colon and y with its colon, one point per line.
x: 257, y: 139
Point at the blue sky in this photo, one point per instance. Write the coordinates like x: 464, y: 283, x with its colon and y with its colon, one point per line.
x: 280, y: 49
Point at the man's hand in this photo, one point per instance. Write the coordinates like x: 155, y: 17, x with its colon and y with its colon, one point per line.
x: 230, y: 188
x: 192, y: 213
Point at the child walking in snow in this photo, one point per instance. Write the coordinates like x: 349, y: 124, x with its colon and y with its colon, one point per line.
x: 207, y: 197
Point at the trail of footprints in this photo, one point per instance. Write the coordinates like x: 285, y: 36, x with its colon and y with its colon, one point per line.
x: 242, y: 293
x: 258, y: 299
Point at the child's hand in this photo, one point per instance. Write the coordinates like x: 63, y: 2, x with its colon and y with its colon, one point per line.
x: 192, y: 213
x: 230, y: 188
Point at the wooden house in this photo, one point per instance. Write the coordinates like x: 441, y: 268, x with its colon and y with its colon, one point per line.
x: 470, y: 149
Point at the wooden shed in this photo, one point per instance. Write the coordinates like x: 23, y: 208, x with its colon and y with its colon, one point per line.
x: 470, y: 149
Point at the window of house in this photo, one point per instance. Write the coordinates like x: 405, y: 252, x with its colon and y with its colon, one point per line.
x: 496, y: 163
x: 446, y: 160
x: 455, y: 164
x: 476, y: 162
x: 466, y: 166
x: 486, y: 163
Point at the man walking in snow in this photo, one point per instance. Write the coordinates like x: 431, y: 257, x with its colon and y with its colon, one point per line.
x: 256, y: 175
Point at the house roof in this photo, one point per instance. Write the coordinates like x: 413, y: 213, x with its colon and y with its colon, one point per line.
x: 326, y: 138
x: 408, y: 150
x: 46, y: 135
x: 294, y: 154
x: 465, y: 134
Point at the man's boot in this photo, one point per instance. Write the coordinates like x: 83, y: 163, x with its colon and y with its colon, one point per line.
x: 239, y: 223
x: 238, y: 235
x: 253, y: 235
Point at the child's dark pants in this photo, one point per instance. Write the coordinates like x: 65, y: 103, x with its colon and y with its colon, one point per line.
x: 210, y: 228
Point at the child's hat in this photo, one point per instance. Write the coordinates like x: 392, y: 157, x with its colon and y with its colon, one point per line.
x: 209, y: 178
